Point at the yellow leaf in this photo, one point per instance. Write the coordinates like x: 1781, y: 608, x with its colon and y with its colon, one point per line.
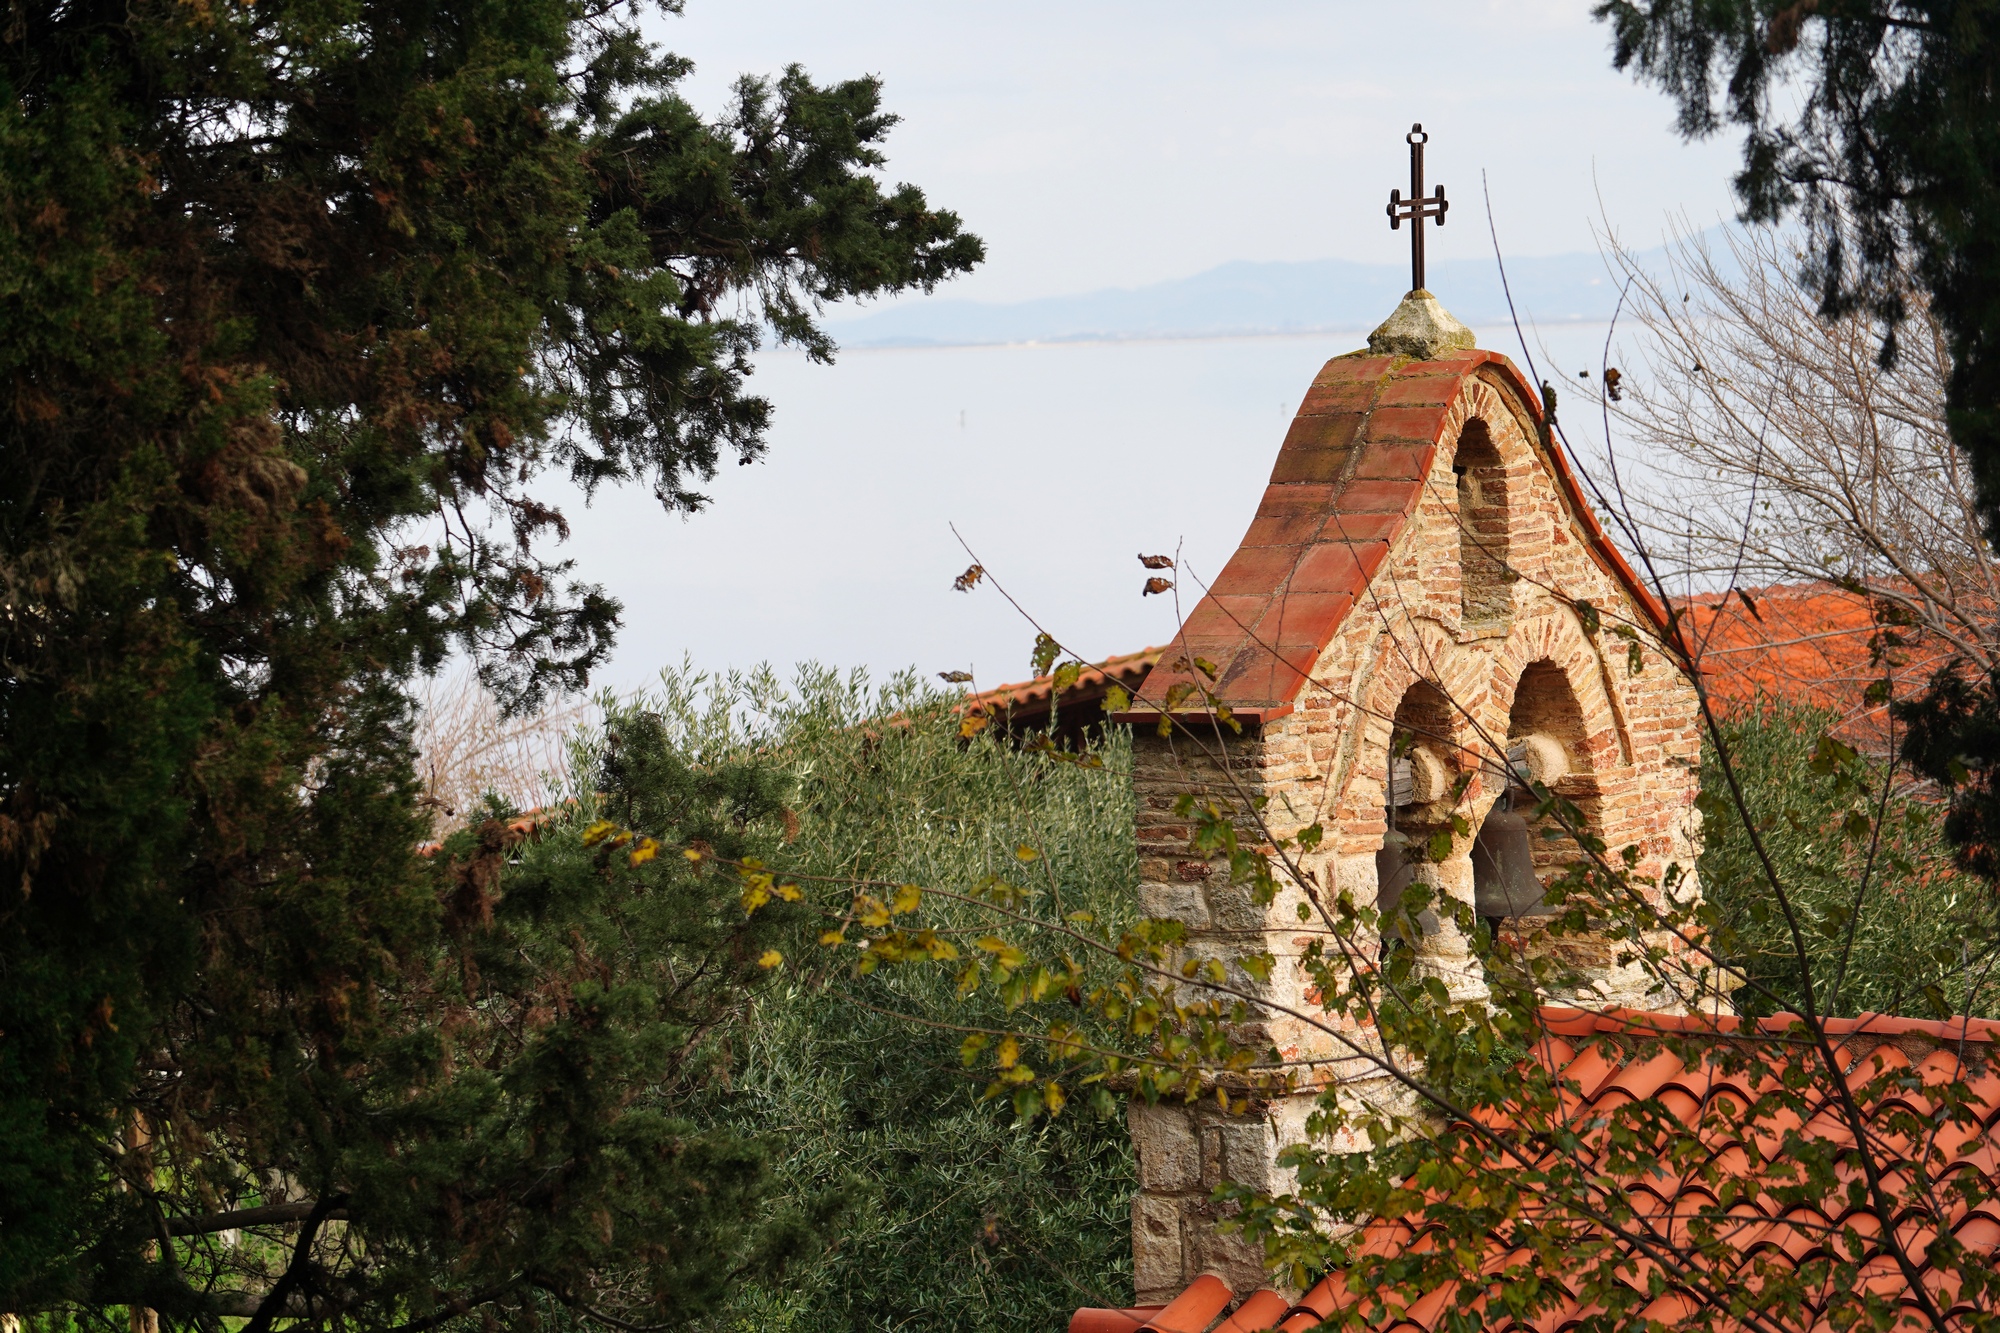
x: 906, y: 899
x: 1116, y: 699
x: 693, y: 854
x: 872, y: 911
x: 972, y: 725
x: 598, y: 832
x: 755, y: 897
x: 1053, y: 1097
x: 789, y: 892
x: 1009, y: 1053
x: 769, y: 959
x: 1026, y: 853
x: 644, y: 852
x: 833, y: 937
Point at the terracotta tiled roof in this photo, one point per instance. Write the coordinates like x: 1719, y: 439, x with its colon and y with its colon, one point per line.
x: 1601, y: 1056
x: 1806, y: 642
x: 1026, y: 705
x: 1348, y: 479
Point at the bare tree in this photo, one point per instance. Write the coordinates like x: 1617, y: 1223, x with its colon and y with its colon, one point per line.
x: 468, y: 747
x: 1781, y: 451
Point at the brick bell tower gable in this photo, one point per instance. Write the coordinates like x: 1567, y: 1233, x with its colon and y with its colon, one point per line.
x: 1420, y: 562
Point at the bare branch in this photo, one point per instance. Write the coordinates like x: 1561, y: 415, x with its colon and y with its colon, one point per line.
x: 271, y: 1214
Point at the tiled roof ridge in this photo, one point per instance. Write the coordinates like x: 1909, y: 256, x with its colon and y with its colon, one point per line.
x: 1346, y: 483
x: 1119, y: 667
x: 1562, y: 1020
x: 1818, y: 587
x: 1803, y: 588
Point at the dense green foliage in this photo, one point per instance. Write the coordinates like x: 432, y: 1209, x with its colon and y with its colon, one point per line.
x: 957, y: 1217
x: 517, y: 1136
x: 1889, y: 923
x: 301, y: 305
x: 1456, y: 1121
x: 581, y: 992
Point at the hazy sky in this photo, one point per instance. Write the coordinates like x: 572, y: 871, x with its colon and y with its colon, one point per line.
x: 1098, y: 143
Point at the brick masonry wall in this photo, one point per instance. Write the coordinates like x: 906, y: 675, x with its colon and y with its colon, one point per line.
x: 1630, y: 739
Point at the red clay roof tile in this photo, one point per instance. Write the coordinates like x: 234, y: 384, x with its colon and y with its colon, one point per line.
x: 1258, y: 1312
x: 1758, y: 1227
x: 1806, y: 642
x: 1194, y: 1309
x: 1096, y: 1319
x: 1028, y: 704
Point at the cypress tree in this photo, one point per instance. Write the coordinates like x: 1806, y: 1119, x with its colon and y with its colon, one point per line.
x: 303, y: 308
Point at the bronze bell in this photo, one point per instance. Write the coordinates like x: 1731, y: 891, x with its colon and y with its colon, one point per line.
x: 1503, y: 866
x: 1395, y: 872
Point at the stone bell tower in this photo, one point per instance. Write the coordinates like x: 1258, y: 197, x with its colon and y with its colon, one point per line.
x: 1422, y: 596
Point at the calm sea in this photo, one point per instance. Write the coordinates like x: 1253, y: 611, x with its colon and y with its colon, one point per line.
x: 1057, y: 464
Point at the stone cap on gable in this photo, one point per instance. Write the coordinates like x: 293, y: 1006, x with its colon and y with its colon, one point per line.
x: 1348, y: 479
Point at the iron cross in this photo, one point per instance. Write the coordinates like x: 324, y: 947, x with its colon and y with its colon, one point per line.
x: 1416, y: 208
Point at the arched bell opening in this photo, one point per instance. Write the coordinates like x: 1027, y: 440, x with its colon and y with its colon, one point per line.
x: 1420, y: 786
x: 1518, y: 851
x: 1485, y: 578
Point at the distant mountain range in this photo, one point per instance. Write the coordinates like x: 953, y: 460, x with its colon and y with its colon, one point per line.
x: 1240, y: 299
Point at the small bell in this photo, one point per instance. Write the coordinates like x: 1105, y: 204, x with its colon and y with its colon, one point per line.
x: 1503, y: 867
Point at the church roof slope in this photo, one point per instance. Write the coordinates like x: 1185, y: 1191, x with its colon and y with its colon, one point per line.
x: 1348, y: 479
